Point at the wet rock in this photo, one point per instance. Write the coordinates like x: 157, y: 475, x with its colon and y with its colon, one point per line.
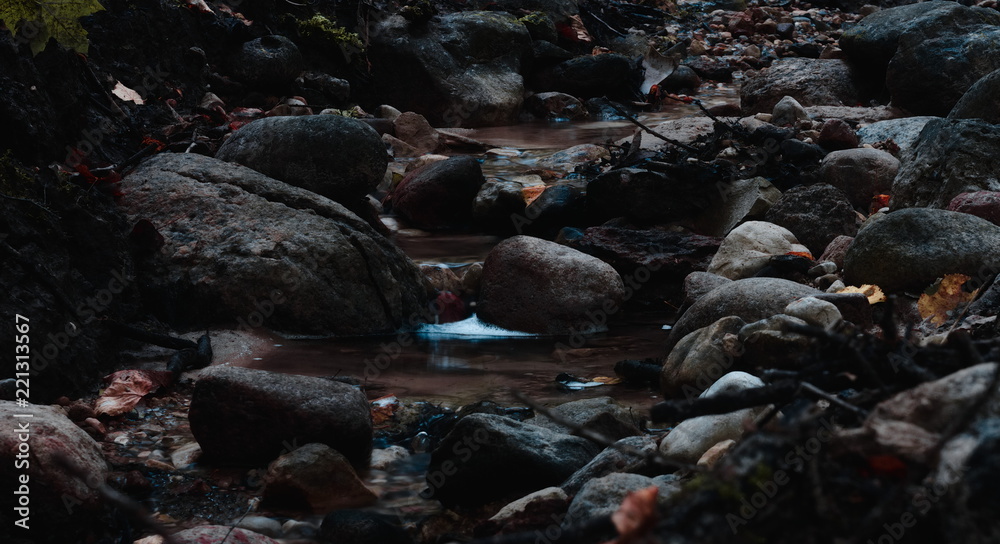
x: 489, y: 457
x: 682, y: 79
x: 610, y: 74
x: 414, y: 129
x: 860, y: 174
x: 815, y: 312
x: 909, y: 249
x: 701, y: 358
x: 220, y: 534
x: 292, y: 260
x: 382, y: 459
x: 980, y: 101
x: 555, y: 105
x: 950, y: 157
x: 538, y: 286
x: 750, y: 299
x: 558, y: 206
x: 185, y: 455
x: 699, y: 284
x: 815, y: 215
x: 527, y: 503
x: 359, y: 527
x: 903, y: 132
x: 300, y: 529
x: 440, y: 195
x: 441, y: 277
x: 691, y: 438
x: 331, y: 155
x: 749, y: 247
x: 260, y: 524
x: 603, y: 496
x: 652, y: 262
x: 629, y: 454
x: 568, y: 159
x: 459, y: 69
x: 769, y: 344
x: 314, y: 477
x: 53, y: 439
x: 711, y: 68
x: 837, y: 134
x: 244, y: 416
x: 270, y: 62
x: 788, y: 111
x: 939, y: 60
x: 582, y: 412
x: 812, y: 82
x: 855, y: 115
x: 985, y: 204
x: 741, y: 200
x: 497, y: 206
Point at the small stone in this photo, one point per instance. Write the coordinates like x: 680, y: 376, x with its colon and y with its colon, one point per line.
x: 299, y: 529
x: 382, y: 459
x: 752, y: 51
x: 814, y: 311
x: 787, y: 111
x: 715, y: 453
x: 314, y: 477
x: 823, y: 268
x: 837, y: 134
x: 259, y: 524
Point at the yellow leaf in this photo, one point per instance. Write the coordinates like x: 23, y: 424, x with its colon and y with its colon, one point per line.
x: 873, y: 292
x: 944, y: 297
x: 606, y: 380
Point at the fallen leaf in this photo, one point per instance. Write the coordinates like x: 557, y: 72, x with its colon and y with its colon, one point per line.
x: 384, y: 408
x: 873, y: 292
x: 575, y: 31
x: 199, y: 6
x: 805, y: 254
x: 657, y: 67
x: 636, y: 516
x: 607, y: 380
x: 531, y: 193
x: 879, y: 202
x: 127, y: 387
x: 940, y: 300
x: 126, y: 94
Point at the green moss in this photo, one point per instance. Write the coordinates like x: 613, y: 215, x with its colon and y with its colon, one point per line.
x: 15, y: 181
x: 323, y: 30
x: 536, y: 18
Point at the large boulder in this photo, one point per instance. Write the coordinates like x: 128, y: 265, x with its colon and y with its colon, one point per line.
x: 903, y: 132
x: 950, y: 157
x: 242, y: 247
x: 439, y: 195
x: 461, y: 69
x: 981, y: 101
x: 534, y: 285
x: 812, y: 82
x: 331, y: 155
x: 488, y: 457
x: 909, y: 249
x: 245, y: 417
x: 750, y: 299
x: 52, y: 470
x: 860, y: 173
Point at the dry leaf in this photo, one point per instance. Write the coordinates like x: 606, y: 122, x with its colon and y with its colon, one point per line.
x: 873, y: 292
x: 531, y: 193
x: 805, y: 254
x: 126, y: 94
x: 127, y: 387
x: 199, y: 6
x: 636, y: 516
x: 944, y: 297
x: 607, y: 380
x: 384, y: 408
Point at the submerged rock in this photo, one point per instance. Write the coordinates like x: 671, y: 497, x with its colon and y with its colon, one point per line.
x: 243, y: 417
x: 533, y: 285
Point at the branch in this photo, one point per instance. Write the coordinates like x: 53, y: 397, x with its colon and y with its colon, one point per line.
x: 636, y: 122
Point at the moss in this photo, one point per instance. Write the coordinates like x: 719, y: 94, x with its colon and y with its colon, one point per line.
x: 535, y: 18
x: 322, y: 29
x: 15, y: 181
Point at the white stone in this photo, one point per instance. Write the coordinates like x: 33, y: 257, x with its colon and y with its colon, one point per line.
x: 747, y: 249
x: 816, y: 312
x: 522, y: 504
x: 787, y: 111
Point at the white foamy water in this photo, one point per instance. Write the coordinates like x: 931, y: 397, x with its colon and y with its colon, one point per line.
x: 470, y: 328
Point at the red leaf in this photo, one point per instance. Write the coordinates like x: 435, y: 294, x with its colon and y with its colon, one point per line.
x: 637, y: 515
x: 127, y: 387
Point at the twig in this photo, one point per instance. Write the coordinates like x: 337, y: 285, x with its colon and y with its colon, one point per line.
x: 678, y: 410
x: 655, y: 457
x: 29, y: 201
x: 861, y: 413
x: 636, y: 122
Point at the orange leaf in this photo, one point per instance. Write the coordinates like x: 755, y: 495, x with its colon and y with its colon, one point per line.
x: 879, y: 202
x: 531, y: 193
x: 944, y: 297
x: 127, y: 387
x: 805, y: 254
x: 873, y: 292
x: 637, y: 515
x: 384, y: 408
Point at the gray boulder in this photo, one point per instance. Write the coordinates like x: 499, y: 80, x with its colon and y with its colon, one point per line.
x: 749, y: 299
x: 909, y: 249
x: 580, y: 412
x: 534, y: 285
x: 497, y: 204
x: 701, y: 358
x: 603, y: 496
x: 981, y: 101
x: 860, y: 173
x: 244, y: 417
x: 951, y: 157
x: 904, y: 132
x: 334, y: 156
x: 270, y: 62
x: 811, y: 82
x: 64, y: 504
x: 247, y: 248
x: 488, y: 457
x: 461, y: 69
x: 439, y: 195
x: 629, y: 454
